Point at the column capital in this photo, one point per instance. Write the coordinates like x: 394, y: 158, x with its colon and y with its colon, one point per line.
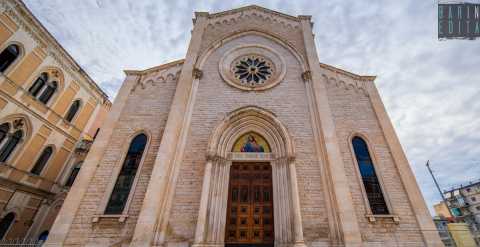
x: 213, y: 157
x: 307, y: 75
x: 197, y: 73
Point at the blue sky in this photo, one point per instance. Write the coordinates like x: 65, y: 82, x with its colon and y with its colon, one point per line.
x: 430, y: 87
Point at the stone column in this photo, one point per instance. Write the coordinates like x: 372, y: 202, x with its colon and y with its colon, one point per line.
x: 61, y: 226
x: 156, y: 193
x: 417, y: 202
x: 283, y: 215
x: 217, y: 212
x: 297, y: 214
x: 39, y: 218
x: 342, y: 196
x: 202, y: 212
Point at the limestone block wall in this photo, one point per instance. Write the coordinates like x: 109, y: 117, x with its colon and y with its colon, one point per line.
x: 353, y: 114
x: 146, y: 110
x: 214, y: 100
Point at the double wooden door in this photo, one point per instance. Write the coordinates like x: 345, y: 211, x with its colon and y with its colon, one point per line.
x: 250, y: 205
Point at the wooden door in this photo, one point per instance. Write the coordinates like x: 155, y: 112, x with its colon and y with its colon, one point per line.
x: 250, y: 205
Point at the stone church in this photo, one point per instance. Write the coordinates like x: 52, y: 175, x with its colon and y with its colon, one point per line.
x: 248, y: 141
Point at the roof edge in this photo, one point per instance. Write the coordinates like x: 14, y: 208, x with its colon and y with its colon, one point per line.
x: 53, y: 40
x: 155, y: 68
x: 347, y: 73
x: 253, y: 6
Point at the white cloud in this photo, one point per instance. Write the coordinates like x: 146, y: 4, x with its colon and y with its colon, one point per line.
x: 430, y: 87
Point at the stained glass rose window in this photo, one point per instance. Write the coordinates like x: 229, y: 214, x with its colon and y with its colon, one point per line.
x: 252, y: 70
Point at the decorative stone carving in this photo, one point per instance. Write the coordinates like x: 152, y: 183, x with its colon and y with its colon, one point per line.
x: 252, y: 67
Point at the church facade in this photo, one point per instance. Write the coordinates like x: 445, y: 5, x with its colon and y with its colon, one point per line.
x: 248, y: 141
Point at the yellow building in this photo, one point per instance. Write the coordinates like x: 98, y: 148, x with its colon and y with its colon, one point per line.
x: 442, y: 210
x: 461, y: 235
x: 50, y: 111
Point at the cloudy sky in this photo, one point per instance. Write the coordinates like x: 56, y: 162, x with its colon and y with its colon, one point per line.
x: 430, y: 87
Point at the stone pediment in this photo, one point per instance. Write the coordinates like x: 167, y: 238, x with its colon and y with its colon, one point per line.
x: 254, y: 10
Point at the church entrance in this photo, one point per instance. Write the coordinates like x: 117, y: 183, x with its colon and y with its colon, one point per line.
x: 250, y: 205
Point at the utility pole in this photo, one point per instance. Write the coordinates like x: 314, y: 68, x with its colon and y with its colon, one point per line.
x: 436, y: 183
x: 439, y: 190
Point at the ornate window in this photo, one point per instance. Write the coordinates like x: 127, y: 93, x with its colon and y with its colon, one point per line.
x: 42, y: 161
x: 4, y: 128
x: 121, y: 190
x: 5, y: 224
x: 252, y: 67
x: 8, y: 56
x: 73, y: 174
x: 9, y: 146
x: 48, y: 92
x: 369, y: 177
x: 44, y: 87
x: 73, y: 110
x: 252, y: 70
x: 38, y: 84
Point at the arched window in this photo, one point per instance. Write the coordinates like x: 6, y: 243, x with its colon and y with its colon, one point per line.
x: 12, y: 142
x: 73, y: 110
x: 8, y: 56
x: 5, y: 224
x: 4, y: 128
x: 48, y: 92
x: 38, y: 84
x: 73, y: 175
x: 124, y: 182
x: 42, y: 161
x: 43, y: 236
x: 369, y: 177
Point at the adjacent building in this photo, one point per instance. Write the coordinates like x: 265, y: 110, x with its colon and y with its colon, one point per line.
x: 50, y: 112
x: 248, y: 141
x: 464, y: 203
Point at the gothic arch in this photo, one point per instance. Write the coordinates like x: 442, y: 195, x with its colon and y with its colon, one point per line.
x: 213, y: 205
x: 246, y: 119
x: 269, y: 35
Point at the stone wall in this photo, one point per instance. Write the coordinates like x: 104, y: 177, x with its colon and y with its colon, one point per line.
x: 353, y: 114
x: 146, y: 110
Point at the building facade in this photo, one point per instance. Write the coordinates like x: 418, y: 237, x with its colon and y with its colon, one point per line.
x: 50, y: 111
x: 248, y: 141
x: 464, y: 203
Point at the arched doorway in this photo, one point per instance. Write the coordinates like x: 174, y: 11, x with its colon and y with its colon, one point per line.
x: 250, y: 197
x: 228, y: 158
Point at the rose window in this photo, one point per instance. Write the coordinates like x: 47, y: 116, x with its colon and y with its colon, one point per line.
x: 252, y: 70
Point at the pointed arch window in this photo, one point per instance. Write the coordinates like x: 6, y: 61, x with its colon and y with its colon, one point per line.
x: 42, y: 161
x: 38, y: 84
x: 370, y: 180
x: 8, y: 56
x: 123, y: 185
x: 73, y: 110
x: 5, y: 224
x: 43, y: 236
x: 9, y: 146
x: 4, y: 128
x: 48, y: 92
x: 73, y: 175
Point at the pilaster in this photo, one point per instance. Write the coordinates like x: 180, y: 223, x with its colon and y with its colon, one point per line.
x: 339, y: 185
x: 61, y: 226
x: 154, y: 212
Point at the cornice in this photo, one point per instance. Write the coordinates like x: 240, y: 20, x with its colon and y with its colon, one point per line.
x: 154, y: 69
x: 253, y: 7
x: 348, y: 74
x: 18, y: 11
